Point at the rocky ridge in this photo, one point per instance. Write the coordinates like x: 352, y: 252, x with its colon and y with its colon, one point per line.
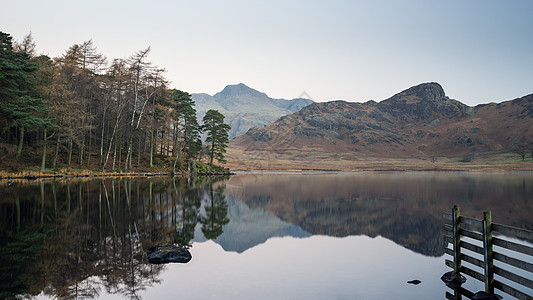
x: 421, y: 120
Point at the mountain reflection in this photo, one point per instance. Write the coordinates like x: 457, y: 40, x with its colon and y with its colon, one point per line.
x: 74, y: 239
x: 70, y: 239
x: 403, y: 207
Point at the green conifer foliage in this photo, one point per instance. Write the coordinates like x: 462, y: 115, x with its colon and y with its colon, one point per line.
x: 217, y: 134
x: 18, y: 108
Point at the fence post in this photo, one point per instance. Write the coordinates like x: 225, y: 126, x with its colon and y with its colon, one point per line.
x: 487, y: 252
x: 456, y: 240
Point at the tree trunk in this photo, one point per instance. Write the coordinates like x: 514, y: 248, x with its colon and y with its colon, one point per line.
x: 114, y: 156
x: 212, y: 154
x: 102, y: 140
x: 152, y: 149
x: 127, y: 163
x: 139, y: 152
x: 57, y: 151
x: 81, y: 152
x: 89, y: 148
x: 19, y: 149
x: 43, y: 160
x: 69, y: 157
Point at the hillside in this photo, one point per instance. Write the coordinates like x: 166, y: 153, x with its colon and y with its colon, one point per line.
x: 245, y: 107
x: 418, y: 122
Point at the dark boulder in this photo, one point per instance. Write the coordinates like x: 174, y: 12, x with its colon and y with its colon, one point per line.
x: 453, y: 280
x: 31, y: 177
x: 415, y: 282
x: 164, y: 254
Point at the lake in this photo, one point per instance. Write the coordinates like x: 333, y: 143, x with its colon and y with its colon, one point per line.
x: 251, y: 236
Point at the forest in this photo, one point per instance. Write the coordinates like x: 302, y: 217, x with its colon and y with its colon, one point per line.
x: 83, y: 111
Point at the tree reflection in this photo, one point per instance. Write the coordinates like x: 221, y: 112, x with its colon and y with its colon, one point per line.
x: 190, y: 209
x: 216, y: 213
x: 77, y: 239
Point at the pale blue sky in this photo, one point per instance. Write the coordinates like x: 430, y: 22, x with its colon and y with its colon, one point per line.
x: 479, y: 51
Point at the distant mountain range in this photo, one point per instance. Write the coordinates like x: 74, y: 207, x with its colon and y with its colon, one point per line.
x: 419, y: 121
x: 244, y: 107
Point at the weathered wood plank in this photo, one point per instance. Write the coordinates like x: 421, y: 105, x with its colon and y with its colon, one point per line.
x: 473, y: 235
x: 512, y: 246
x: 450, y: 296
x: 472, y: 273
x: 476, y: 262
x: 520, y: 233
x: 488, y: 254
x: 448, y: 263
x: 511, y: 291
x: 456, y: 216
x: 448, y: 227
x: 514, y: 262
x: 448, y: 251
x: 513, y: 277
x: 447, y: 217
x: 448, y: 239
x: 474, y: 223
x: 472, y: 247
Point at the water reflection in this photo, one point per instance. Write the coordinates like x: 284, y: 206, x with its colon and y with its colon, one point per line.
x: 88, y: 239
x: 403, y: 207
x: 75, y: 239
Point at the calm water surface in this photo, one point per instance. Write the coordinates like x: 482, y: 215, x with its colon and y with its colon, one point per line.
x: 252, y: 236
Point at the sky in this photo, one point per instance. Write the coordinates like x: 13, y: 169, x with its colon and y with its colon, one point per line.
x: 479, y: 51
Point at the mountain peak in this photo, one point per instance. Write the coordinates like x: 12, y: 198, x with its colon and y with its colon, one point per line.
x: 430, y: 91
x: 239, y: 89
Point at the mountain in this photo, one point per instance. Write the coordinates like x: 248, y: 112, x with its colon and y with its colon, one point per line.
x: 419, y: 121
x: 250, y: 227
x: 245, y: 107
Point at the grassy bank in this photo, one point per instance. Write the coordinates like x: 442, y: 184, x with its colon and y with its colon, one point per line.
x: 353, y: 162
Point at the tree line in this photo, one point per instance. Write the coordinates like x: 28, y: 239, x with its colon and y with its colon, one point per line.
x: 82, y: 110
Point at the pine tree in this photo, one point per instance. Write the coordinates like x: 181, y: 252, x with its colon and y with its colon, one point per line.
x: 18, y: 108
x: 217, y: 135
x: 185, y: 114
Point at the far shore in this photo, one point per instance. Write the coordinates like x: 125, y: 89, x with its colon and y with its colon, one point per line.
x: 244, y: 161
x: 256, y: 162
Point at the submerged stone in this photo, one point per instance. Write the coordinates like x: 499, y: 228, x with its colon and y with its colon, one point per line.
x: 485, y: 296
x: 164, y: 254
x: 453, y: 280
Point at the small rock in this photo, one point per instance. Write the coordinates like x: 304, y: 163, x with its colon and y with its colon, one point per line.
x: 31, y: 177
x: 453, y: 280
x: 485, y: 296
x: 415, y: 282
x: 164, y: 254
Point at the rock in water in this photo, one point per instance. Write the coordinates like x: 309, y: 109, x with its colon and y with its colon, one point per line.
x: 415, y: 282
x: 164, y: 254
x: 453, y: 280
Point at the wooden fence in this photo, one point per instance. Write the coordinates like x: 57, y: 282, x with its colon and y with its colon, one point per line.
x: 458, y: 226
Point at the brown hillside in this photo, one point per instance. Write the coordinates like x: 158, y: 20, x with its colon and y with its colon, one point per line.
x: 418, y: 122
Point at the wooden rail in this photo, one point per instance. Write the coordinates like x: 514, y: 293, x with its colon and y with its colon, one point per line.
x: 458, y: 226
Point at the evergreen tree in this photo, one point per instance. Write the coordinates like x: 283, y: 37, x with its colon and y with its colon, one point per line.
x: 185, y: 115
x: 217, y: 135
x: 18, y: 108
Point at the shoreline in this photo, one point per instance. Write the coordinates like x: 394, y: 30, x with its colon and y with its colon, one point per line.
x: 34, y: 176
